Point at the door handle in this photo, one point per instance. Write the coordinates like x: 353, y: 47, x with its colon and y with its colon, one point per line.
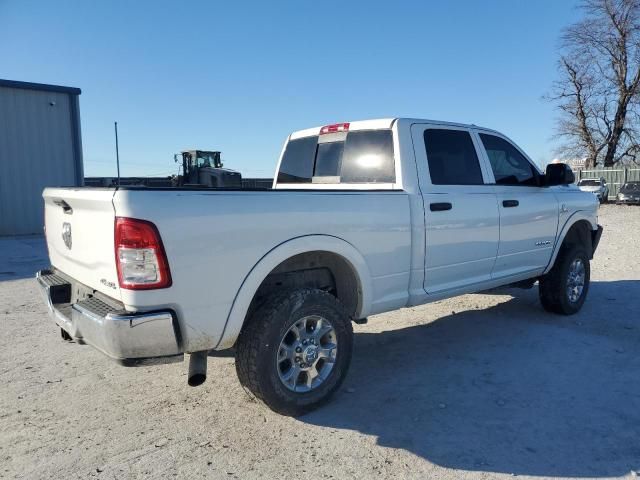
x: 440, y: 207
x: 510, y: 203
x: 64, y: 205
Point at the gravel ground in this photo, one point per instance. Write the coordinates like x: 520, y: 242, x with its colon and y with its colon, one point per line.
x: 479, y: 386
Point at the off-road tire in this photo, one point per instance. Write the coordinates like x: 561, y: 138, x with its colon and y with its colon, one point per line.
x: 259, y: 341
x: 553, y: 286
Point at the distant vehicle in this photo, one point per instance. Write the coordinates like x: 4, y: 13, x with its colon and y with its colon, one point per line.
x: 364, y: 218
x: 629, y: 194
x: 597, y: 186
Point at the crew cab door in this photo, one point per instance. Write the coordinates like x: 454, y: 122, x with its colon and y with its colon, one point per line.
x: 528, y: 211
x: 460, y: 208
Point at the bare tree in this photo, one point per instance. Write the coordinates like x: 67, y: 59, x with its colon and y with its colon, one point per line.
x: 598, y: 89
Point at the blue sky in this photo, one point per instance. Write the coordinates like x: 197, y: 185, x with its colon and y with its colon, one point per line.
x: 239, y: 77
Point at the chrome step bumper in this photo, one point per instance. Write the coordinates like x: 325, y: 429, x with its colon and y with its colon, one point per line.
x: 130, y: 338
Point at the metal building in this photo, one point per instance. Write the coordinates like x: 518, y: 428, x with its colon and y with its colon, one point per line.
x: 40, y: 146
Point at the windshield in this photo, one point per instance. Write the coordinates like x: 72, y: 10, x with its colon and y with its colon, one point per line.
x: 208, y: 159
x: 589, y: 183
x: 628, y: 187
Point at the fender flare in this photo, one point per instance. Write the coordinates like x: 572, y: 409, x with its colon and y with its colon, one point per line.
x: 277, y: 255
x: 570, y: 222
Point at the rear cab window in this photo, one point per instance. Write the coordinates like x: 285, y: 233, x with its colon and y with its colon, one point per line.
x: 347, y: 157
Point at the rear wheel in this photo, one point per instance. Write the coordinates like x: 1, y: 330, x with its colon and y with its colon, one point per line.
x: 295, y: 350
x: 564, y: 289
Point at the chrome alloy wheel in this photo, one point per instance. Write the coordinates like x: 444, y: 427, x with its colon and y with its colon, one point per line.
x: 575, y: 280
x: 307, y: 354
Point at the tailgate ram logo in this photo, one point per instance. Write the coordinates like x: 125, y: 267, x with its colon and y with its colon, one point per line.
x: 66, y: 234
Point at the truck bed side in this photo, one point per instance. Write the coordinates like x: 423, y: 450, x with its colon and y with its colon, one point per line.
x: 213, y: 239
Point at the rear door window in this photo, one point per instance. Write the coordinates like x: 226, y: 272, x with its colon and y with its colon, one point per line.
x: 452, y: 157
x: 357, y: 157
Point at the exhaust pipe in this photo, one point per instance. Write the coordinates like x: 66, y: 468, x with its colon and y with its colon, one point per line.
x: 197, y: 368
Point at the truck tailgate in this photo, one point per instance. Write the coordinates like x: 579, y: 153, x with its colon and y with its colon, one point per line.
x: 79, y: 225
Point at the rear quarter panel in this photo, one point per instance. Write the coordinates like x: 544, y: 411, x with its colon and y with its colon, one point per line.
x: 214, y: 239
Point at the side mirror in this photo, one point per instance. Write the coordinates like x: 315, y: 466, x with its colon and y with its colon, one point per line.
x: 558, y: 174
x: 177, y: 158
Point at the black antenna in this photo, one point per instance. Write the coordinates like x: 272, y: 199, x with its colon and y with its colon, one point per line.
x: 115, y: 124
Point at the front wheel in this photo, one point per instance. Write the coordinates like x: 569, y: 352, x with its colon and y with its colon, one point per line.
x: 564, y: 289
x: 295, y: 350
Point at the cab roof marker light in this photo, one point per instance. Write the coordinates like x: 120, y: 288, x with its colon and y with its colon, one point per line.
x: 335, y: 128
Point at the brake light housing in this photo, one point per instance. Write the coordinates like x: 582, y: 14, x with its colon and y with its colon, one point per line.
x: 141, y: 260
x: 335, y: 128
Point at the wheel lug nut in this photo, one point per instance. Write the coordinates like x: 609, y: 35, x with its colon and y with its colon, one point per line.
x: 298, y: 349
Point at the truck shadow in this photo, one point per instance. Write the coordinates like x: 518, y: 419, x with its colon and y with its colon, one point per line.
x: 509, y: 389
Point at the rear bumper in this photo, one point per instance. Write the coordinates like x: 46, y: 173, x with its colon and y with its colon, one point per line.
x: 129, y: 338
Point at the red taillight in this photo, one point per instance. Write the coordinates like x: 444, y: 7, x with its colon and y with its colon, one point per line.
x: 335, y: 128
x: 140, y: 257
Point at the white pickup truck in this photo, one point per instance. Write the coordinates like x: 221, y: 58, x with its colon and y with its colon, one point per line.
x: 363, y: 218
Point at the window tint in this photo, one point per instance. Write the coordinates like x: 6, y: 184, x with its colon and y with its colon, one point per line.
x: 368, y: 157
x: 452, y: 158
x: 509, y: 166
x: 297, y: 162
x: 328, y: 159
x: 364, y: 157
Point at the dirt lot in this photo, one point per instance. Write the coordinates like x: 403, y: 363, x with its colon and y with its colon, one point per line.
x: 480, y: 386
